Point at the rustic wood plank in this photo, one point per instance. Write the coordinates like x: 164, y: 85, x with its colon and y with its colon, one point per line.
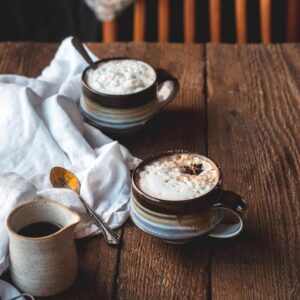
x: 150, y: 268
x: 25, y: 58
x: 96, y: 259
x: 254, y: 133
x: 253, y: 109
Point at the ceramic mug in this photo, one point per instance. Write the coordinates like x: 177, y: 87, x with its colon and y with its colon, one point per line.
x: 127, y: 113
x: 46, y: 265
x: 181, y: 221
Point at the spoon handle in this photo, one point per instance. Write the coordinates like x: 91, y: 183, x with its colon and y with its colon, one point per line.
x: 80, y: 48
x: 110, y: 235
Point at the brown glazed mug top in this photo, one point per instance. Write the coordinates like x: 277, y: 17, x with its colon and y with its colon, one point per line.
x: 131, y: 100
x: 175, y: 207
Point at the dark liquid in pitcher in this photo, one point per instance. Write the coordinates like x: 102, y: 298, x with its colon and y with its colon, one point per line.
x: 39, y: 229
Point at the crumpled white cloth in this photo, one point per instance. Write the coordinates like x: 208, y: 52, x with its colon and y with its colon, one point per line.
x: 41, y: 127
x: 107, y: 10
x: 7, y: 291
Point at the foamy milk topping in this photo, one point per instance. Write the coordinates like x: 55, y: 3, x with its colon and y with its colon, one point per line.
x: 178, y: 177
x: 120, y: 77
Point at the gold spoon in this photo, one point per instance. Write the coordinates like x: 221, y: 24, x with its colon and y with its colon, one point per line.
x: 62, y: 178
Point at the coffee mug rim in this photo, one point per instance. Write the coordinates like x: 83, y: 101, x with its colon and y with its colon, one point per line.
x: 39, y: 201
x: 177, y: 203
x: 85, y: 84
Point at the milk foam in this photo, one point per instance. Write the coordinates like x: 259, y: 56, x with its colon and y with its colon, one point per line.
x: 178, y: 177
x: 121, y: 77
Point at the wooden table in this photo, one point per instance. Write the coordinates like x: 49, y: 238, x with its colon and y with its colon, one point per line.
x: 240, y: 105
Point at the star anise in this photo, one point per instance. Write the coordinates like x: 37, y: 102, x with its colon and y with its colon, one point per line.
x: 198, y: 168
x: 188, y: 170
x: 194, y: 169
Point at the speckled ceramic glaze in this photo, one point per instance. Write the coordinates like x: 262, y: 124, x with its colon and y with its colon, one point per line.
x: 179, y: 222
x: 125, y: 114
x: 45, y: 265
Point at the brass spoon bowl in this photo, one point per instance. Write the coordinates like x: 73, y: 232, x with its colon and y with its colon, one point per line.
x: 62, y: 178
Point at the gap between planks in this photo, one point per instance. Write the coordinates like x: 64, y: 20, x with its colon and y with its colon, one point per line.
x: 123, y: 228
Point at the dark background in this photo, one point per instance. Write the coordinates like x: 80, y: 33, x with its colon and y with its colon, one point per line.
x: 52, y: 20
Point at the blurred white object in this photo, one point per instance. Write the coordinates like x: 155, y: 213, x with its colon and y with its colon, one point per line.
x: 107, y: 10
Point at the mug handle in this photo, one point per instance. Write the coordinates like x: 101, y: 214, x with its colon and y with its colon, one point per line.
x: 230, y: 203
x: 168, y: 87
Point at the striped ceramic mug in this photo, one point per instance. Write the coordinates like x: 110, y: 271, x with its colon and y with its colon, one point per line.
x: 126, y: 113
x: 181, y: 221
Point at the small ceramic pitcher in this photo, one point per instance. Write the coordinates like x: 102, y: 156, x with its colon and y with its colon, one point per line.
x: 46, y: 265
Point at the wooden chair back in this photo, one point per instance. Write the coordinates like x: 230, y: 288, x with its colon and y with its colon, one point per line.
x: 189, y: 19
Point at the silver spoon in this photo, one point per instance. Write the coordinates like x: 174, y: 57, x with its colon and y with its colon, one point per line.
x: 80, y: 48
x: 62, y: 178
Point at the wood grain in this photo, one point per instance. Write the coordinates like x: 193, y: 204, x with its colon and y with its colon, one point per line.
x: 254, y: 134
x: 150, y: 268
x: 243, y: 110
x: 25, y: 58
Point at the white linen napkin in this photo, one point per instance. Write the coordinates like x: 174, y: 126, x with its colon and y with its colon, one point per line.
x: 41, y: 127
